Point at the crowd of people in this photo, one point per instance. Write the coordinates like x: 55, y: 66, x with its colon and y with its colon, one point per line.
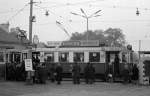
x: 16, y: 71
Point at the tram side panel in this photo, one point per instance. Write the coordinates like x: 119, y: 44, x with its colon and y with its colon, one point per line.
x: 67, y: 60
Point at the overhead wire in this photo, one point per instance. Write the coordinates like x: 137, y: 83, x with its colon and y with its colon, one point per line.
x: 54, y: 14
x: 18, y: 12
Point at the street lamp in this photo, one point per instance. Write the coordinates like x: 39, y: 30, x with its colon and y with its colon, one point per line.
x: 87, y: 18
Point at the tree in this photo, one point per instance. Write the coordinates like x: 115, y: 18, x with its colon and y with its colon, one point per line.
x: 111, y: 36
x: 19, y: 34
x: 115, y: 37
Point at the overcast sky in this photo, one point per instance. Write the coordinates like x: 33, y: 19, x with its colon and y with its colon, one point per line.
x: 114, y: 14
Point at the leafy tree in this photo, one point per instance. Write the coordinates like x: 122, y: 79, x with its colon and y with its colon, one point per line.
x: 111, y: 36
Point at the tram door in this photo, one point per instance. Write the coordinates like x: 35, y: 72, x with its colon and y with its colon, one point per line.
x: 112, y: 60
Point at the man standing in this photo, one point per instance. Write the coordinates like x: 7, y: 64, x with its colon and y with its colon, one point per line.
x: 135, y: 74
x: 116, y: 65
x: 59, y: 71
x: 126, y: 72
x: 86, y: 73
x: 91, y: 74
x: 76, y: 73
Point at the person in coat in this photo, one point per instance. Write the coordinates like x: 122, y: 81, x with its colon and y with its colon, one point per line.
x: 110, y: 73
x: 52, y: 73
x: 76, y: 73
x: 86, y: 73
x: 135, y: 74
x: 91, y: 74
x: 42, y: 74
x: 116, y: 65
x: 126, y: 74
x: 58, y: 72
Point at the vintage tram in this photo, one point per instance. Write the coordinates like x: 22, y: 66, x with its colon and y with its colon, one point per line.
x: 69, y: 52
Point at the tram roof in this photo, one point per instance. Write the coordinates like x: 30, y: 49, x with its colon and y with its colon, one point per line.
x: 81, y: 49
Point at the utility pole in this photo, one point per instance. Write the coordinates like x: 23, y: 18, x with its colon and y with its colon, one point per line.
x: 29, y: 80
x: 30, y: 21
x: 87, y: 28
x: 139, y: 49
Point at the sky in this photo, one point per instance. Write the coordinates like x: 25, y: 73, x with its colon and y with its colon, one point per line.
x: 114, y: 13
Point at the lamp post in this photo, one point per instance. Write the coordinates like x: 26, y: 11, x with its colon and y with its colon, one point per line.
x: 84, y: 15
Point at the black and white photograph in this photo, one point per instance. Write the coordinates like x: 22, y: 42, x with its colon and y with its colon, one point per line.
x: 74, y: 48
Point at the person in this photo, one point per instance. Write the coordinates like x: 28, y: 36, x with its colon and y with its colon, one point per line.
x: 116, y: 65
x: 86, y: 73
x: 59, y: 71
x: 52, y: 73
x: 135, y: 74
x: 42, y: 74
x: 109, y: 72
x: 91, y: 74
x: 76, y: 73
x: 126, y: 72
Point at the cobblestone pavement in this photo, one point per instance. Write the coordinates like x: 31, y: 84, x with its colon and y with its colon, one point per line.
x: 68, y: 89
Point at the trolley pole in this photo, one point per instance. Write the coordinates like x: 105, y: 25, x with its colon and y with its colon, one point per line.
x: 87, y: 28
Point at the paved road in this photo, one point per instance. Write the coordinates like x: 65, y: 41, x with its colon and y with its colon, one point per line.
x: 68, y: 89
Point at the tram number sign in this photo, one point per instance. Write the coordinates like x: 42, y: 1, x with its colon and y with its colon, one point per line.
x: 28, y: 65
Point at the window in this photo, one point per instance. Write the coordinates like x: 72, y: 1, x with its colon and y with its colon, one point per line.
x: 64, y: 57
x: 1, y: 57
x: 24, y: 56
x: 17, y: 57
x: 49, y: 57
x: 94, y: 57
x: 78, y: 57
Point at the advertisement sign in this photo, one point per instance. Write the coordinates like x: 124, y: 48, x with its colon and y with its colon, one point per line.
x: 28, y: 65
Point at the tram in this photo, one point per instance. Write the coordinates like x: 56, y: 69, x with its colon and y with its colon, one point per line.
x: 69, y: 52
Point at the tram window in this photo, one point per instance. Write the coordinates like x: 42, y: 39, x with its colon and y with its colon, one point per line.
x: 94, y: 57
x: 17, y: 57
x: 78, y: 57
x: 49, y: 57
x: 64, y: 57
x: 1, y: 57
x: 24, y: 56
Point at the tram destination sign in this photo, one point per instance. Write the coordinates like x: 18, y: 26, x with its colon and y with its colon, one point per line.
x: 70, y: 43
x: 89, y: 43
x: 54, y: 43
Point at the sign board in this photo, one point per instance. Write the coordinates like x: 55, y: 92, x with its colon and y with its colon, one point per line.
x: 54, y: 43
x: 70, y: 43
x: 28, y: 65
x: 90, y: 43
